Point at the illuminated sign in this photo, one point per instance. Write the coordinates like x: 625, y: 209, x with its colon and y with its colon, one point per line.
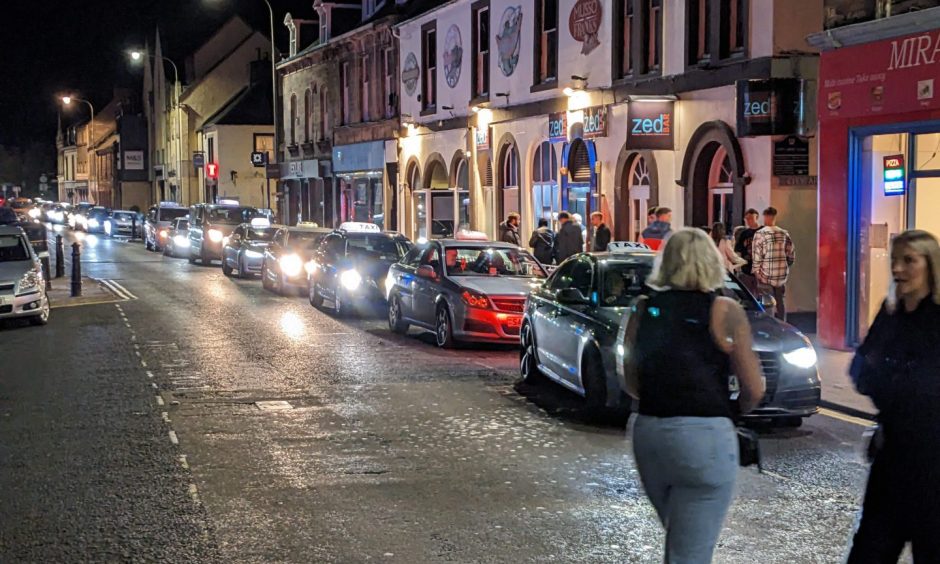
x: 595, y: 122
x: 212, y: 170
x: 769, y: 106
x: 482, y: 137
x: 650, y: 125
x: 894, y: 175
x: 558, y: 127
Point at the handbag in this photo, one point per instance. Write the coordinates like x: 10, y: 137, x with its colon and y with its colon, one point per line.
x: 749, y: 448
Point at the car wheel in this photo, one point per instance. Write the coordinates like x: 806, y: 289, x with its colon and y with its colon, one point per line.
x: 204, y: 258
x: 242, y: 267
x: 594, y: 381
x: 265, y: 283
x: 167, y: 252
x: 443, y: 329
x: 226, y: 269
x: 528, y: 362
x: 43, y: 317
x: 316, y: 300
x: 395, y: 318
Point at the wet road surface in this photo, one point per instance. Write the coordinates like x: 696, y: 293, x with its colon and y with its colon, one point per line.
x: 298, y: 437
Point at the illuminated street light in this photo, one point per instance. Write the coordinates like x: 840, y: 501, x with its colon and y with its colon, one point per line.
x: 66, y: 100
x: 136, y: 55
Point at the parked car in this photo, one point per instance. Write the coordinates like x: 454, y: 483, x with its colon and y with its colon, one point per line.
x: 34, y: 230
x: 177, y: 241
x: 350, y: 268
x: 157, y: 224
x: 121, y: 223
x: 287, y: 259
x: 244, y: 251
x: 22, y: 288
x: 574, y: 324
x: 78, y: 215
x: 60, y: 213
x: 210, y: 225
x: 96, y: 218
x: 462, y: 290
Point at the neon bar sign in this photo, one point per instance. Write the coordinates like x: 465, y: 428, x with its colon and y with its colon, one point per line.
x: 895, y: 181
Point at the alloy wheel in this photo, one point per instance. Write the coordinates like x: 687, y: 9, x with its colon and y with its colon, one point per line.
x: 443, y: 333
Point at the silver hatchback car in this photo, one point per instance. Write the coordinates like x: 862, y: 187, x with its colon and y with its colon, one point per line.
x: 22, y: 287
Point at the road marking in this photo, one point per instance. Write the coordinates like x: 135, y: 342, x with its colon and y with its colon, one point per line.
x: 143, y: 363
x: 847, y: 418
x: 123, y: 290
x: 149, y: 374
x: 194, y: 492
x: 165, y: 416
x: 160, y: 400
x: 173, y: 438
x: 154, y: 385
x: 137, y: 353
x: 183, y: 462
x: 116, y: 289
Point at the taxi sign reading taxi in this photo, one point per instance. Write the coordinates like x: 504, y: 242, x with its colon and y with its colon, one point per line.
x: 895, y: 181
x: 212, y: 170
x: 259, y: 158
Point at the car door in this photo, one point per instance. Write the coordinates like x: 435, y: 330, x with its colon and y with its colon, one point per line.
x: 544, y: 318
x: 230, y: 251
x: 559, y: 333
x: 272, y: 254
x: 425, y: 290
x: 403, y: 275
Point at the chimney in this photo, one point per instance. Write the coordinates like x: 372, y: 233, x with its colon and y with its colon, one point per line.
x: 260, y: 70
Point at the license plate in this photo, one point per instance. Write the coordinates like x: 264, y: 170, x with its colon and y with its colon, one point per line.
x: 514, y: 322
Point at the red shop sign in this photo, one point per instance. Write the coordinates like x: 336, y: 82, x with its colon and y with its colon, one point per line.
x: 584, y: 22
x: 882, y: 77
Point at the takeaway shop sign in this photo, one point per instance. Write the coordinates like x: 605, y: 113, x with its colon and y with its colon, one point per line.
x: 584, y: 23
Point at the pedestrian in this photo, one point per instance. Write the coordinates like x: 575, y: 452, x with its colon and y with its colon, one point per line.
x: 659, y: 230
x: 743, y: 246
x: 773, y: 255
x: 651, y: 214
x: 509, y: 230
x: 898, y: 366
x: 731, y: 261
x: 683, y: 343
x: 568, y: 240
x: 601, y: 232
x: 542, y: 242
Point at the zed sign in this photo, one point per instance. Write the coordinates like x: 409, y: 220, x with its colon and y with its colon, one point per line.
x: 558, y: 127
x: 595, y: 122
x: 650, y: 125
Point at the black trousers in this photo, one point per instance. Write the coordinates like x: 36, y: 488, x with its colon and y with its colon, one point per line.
x: 897, y: 510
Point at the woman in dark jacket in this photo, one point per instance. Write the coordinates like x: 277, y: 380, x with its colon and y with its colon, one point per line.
x: 898, y: 366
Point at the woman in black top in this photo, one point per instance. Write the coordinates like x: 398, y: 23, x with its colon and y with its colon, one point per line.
x: 898, y: 366
x: 684, y: 342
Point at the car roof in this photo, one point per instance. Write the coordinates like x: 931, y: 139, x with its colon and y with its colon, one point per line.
x: 390, y: 234
x: 11, y: 230
x: 625, y: 254
x: 301, y: 229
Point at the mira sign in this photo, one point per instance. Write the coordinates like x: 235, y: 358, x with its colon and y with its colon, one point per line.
x: 894, y: 176
x: 651, y: 125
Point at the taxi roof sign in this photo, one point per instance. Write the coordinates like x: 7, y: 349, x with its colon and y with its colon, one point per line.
x: 260, y: 222
x: 359, y: 226
x: 467, y: 235
x: 624, y: 246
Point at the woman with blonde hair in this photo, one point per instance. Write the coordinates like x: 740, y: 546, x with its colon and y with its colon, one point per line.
x: 683, y: 342
x: 898, y: 366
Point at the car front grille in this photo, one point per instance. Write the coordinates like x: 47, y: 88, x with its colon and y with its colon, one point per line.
x: 7, y: 287
x: 770, y: 366
x: 6, y: 309
x: 511, y: 305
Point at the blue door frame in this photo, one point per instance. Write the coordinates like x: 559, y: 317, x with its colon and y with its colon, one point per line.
x: 857, y: 137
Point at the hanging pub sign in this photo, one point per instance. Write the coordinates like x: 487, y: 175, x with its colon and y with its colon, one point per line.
x: 481, y: 136
x: 558, y: 127
x: 769, y: 106
x: 595, y: 122
x: 584, y: 23
x: 650, y: 125
x: 894, y: 175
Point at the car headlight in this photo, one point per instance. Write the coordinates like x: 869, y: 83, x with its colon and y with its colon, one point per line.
x: 164, y: 233
x: 29, y: 282
x: 291, y: 265
x: 803, y: 357
x: 350, y: 279
x: 34, y: 212
x: 181, y: 240
x: 253, y: 254
x: 215, y: 235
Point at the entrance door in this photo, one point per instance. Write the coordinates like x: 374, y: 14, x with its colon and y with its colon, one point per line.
x: 638, y: 200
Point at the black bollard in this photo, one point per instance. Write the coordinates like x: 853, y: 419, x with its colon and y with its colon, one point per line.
x: 133, y: 227
x: 76, y: 270
x: 46, y: 274
x: 59, y: 257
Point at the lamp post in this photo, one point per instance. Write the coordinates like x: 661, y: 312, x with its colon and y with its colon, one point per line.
x: 93, y: 169
x: 136, y: 56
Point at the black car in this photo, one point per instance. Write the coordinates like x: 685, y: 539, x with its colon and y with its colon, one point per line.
x: 287, y: 261
x: 244, y: 251
x: 96, y: 218
x: 211, y: 224
x: 351, y: 266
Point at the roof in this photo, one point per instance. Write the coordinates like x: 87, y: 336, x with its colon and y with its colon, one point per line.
x: 251, y: 106
x: 11, y: 230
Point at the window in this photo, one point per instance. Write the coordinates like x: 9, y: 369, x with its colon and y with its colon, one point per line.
x: 546, y: 41
x: 293, y: 119
x: 323, y: 114
x: 510, y: 180
x: 624, y: 32
x: 308, y: 116
x: 388, y: 90
x: 699, y: 30
x: 545, y: 194
x: 364, y: 87
x: 429, y: 64
x: 577, y: 273
x: 733, y: 28
x: 717, y: 30
x: 210, y: 148
x: 481, y: 49
x: 654, y: 35
x: 344, y: 100
x: 264, y: 142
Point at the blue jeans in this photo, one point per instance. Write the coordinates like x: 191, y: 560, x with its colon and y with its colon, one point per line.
x: 688, y: 466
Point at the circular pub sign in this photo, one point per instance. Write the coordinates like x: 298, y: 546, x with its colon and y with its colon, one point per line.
x: 584, y: 23
x: 410, y: 74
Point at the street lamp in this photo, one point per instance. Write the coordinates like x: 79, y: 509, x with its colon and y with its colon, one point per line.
x: 137, y: 56
x: 67, y: 100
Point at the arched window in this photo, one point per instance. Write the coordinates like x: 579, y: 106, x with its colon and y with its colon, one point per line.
x: 293, y: 119
x: 462, y: 185
x: 721, y: 190
x: 545, y: 195
x: 308, y: 115
x: 509, y: 178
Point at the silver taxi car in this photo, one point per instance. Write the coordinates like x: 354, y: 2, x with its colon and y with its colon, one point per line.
x: 22, y: 288
x: 462, y: 290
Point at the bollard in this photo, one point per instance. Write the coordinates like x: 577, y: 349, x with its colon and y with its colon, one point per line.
x: 59, y: 257
x: 76, y: 270
x: 46, y: 274
x: 133, y: 227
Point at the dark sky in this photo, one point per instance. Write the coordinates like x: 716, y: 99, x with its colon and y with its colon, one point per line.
x: 50, y: 47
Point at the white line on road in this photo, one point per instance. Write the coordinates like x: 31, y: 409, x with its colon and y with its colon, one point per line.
x: 123, y: 290
x: 137, y: 353
x: 149, y: 374
x: 160, y: 400
x: 165, y: 416
x: 183, y: 462
x: 154, y: 385
x: 143, y: 363
x: 194, y: 493
x: 846, y: 418
x: 173, y: 438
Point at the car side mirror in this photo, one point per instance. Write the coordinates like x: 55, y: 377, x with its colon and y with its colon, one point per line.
x: 426, y: 271
x: 768, y: 301
x: 571, y: 296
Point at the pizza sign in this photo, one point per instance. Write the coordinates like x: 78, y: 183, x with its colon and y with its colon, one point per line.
x: 584, y: 23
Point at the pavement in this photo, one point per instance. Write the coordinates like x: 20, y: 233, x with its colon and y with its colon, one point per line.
x: 209, y: 420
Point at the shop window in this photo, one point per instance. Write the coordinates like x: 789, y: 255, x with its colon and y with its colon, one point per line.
x: 927, y: 149
x: 720, y: 191
x: 639, y: 196
x: 429, y: 65
x: 293, y: 120
x: 545, y: 194
x: 481, y: 49
x: 364, y: 87
x: 344, y: 99
x: 546, y: 41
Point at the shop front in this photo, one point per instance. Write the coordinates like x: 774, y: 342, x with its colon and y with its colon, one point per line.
x: 306, y: 193
x: 879, y: 125
x: 360, y: 170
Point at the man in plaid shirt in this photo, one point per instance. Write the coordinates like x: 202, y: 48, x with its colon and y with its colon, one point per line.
x: 773, y: 256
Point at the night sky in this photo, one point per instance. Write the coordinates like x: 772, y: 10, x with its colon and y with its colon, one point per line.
x: 50, y: 47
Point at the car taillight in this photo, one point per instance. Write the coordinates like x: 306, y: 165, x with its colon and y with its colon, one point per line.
x: 475, y: 300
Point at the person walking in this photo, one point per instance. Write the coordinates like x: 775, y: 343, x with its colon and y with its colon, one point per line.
x: 542, y: 242
x: 683, y: 342
x: 509, y: 230
x: 898, y: 367
x: 772, y: 257
x: 731, y: 261
x: 601, y: 233
x: 568, y: 240
x: 657, y: 232
x: 743, y: 247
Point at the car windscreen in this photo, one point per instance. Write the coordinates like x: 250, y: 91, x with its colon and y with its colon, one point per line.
x: 169, y: 214
x: 13, y: 248
x: 256, y: 234
x: 377, y: 247
x: 623, y: 280
x: 181, y: 224
x: 124, y: 216
x: 99, y: 212
x: 230, y: 215
x: 304, y: 240
x: 7, y: 215
x: 479, y: 261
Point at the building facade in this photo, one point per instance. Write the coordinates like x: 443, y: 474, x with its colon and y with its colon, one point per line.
x: 879, y: 120
x: 540, y: 106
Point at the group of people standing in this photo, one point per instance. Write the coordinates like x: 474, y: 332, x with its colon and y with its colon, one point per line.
x: 553, y: 247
